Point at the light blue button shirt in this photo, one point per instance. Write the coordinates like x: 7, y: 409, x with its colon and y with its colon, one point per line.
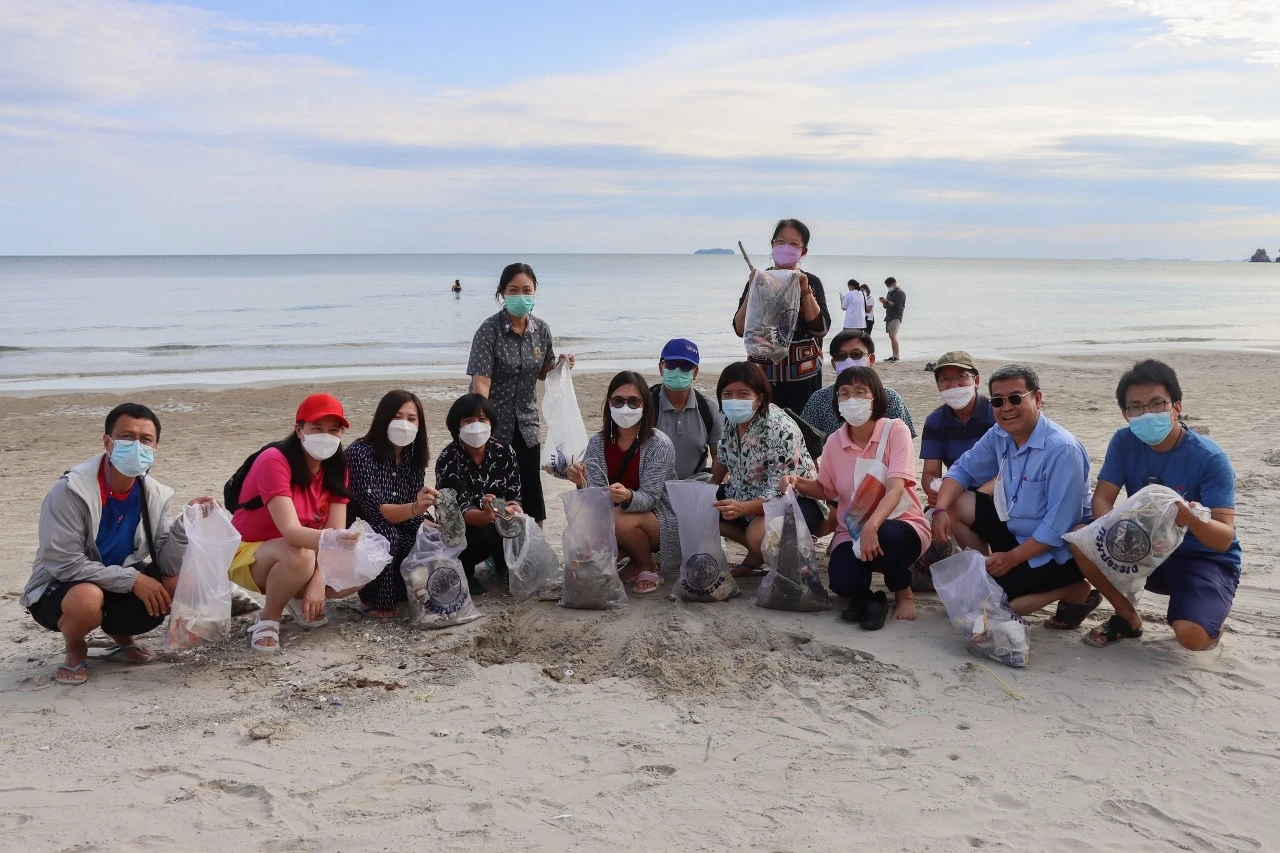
x: 1046, y: 483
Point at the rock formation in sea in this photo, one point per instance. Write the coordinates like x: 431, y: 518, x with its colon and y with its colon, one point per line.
x: 1260, y: 257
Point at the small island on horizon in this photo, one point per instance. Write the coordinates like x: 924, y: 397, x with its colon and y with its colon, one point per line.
x: 714, y: 252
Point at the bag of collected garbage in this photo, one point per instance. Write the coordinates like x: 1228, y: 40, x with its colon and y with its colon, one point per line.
x: 704, y: 569
x: 1131, y: 541
x: 346, y: 564
x: 921, y: 569
x: 793, y: 582
x: 437, y: 585
x: 201, y: 609
x: 870, y: 483
x: 534, y: 568
x: 566, y: 441
x: 591, y: 579
x: 773, y: 306
x: 977, y: 605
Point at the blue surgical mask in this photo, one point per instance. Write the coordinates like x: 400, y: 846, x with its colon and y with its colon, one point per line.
x: 518, y: 306
x: 131, y: 458
x: 738, y: 411
x: 1152, y: 427
x: 677, y: 380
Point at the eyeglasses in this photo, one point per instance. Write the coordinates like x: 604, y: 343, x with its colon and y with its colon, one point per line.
x: 854, y: 354
x: 1157, y: 407
x: 145, y: 441
x: 787, y: 243
x: 629, y: 402
x: 962, y: 380
x: 687, y: 366
x: 1014, y: 399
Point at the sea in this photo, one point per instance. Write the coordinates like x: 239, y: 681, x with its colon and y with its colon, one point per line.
x: 115, y: 323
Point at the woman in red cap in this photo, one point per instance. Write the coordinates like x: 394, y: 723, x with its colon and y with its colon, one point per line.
x: 294, y: 488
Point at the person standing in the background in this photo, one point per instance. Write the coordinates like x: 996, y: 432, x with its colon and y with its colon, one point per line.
x: 870, y: 308
x: 457, y: 285
x: 895, y: 303
x: 854, y: 306
x: 799, y: 374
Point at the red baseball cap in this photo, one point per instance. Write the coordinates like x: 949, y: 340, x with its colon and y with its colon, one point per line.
x: 317, y: 406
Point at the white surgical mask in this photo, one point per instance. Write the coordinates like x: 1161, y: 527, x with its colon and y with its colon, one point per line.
x: 320, y: 445
x: 401, y: 433
x: 475, y: 434
x: 959, y: 397
x: 856, y: 411
x: 844, y: 364
x: 624, y: 416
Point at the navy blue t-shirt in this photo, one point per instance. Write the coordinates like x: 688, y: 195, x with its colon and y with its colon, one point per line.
x: 945, y: 437
x: 119, y: 524
x: 1198, y: 469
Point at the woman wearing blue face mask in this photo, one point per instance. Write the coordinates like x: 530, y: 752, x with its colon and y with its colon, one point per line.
x: 510, y: 352
x: 761, y: 444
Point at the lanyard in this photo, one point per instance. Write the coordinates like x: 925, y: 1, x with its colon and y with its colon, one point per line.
x: 1022, y: 478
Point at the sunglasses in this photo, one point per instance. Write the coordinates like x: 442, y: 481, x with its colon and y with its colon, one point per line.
x: 1014, y: 399
x: 629, y: 402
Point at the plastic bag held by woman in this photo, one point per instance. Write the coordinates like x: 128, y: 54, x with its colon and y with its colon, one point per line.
x: 978, y: 606
x: 704, y: 569
x: 533, y: 566
x: 346, y: 564
x: 437, y: 584
x: 793, y: 582
x: 566, y: 441
x: 201, y: 610
x: 591, y: 579
x: 1131, y: 541
x: 773, y: 306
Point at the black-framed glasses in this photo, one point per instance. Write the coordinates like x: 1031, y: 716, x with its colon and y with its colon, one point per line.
x: 629, y: 402
x: 781, y: 242
x: 1157, y: 407
x: 1015, y: 399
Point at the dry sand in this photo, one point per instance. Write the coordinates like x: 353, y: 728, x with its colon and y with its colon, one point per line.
x: 666, y: 726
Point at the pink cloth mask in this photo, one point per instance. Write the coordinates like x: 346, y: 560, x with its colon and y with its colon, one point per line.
x: 786, y: 255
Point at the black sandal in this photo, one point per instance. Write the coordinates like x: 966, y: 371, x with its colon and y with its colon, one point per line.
x: 875, y: 611
x: 1114, y: 630
x: 1071, y: 615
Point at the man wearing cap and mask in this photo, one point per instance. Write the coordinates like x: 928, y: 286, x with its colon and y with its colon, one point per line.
x: 964, y: 417
x: 110, y: 547
x: 684, y: 415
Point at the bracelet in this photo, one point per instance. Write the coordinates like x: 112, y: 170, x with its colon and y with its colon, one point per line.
x: 940, y: 509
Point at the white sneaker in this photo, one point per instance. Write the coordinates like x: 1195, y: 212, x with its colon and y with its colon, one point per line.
x: 294, y: 609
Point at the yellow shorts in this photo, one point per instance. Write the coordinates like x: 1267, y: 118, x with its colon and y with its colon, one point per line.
x: 246, y: 556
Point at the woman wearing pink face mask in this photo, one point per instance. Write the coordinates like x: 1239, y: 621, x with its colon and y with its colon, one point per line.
x: 798, y: 375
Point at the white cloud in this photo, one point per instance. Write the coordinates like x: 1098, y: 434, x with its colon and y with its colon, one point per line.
x: 1194, y: 22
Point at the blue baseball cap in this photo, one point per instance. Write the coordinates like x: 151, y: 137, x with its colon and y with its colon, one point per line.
x: 680, y: 349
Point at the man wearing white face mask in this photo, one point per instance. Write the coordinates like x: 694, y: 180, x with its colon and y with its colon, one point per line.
x: 850, y: 348
x: 110, y: 549
x: 964, y: 417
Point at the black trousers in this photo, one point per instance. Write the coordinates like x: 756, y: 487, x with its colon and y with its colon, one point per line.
x: 530, y: 462
x: 483, y: 543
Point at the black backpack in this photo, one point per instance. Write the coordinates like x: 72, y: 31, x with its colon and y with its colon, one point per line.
x: 704, y: 408
x: 232, y: 488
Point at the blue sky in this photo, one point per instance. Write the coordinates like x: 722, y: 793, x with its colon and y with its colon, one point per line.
x: 1078, y: 128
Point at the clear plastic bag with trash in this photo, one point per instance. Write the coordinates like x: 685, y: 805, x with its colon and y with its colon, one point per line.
x: 591, y: 579
x: 1130, y: 542
x: 566, y: 441
x: 793, y: 582
x: 201, y: 609
x: 439, y: 596
x: 978, y: 606
x: 704, y: 569
x: 773, y: 306
x: 533, y: 567
x: 345, y: 563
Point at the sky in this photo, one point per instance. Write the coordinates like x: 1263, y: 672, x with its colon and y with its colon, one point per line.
x: 1064, y: 129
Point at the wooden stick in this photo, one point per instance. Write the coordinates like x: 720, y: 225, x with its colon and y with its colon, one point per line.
x: 745, y: 258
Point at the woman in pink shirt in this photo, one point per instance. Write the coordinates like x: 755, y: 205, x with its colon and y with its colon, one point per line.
x: 296, y: 488
x: 895, y: 533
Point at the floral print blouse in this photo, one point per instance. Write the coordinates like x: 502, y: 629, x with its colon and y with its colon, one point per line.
x: 772, y: 448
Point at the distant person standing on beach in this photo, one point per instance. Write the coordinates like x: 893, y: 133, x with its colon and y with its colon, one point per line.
x: 800, y: 373
x: 894, y: 303
x: 510, y: 352
x: 854, y: 306
x: 870, y: 308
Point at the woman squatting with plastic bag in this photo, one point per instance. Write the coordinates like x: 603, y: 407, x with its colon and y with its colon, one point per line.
x: 869, y: 465
x: 291, y: 503
x: 634, y: 461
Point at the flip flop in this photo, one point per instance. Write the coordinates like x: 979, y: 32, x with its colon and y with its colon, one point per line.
x: 746, y: 570
x: 651, y: 581
x: 76, y: 675
x: 1070, y: 615
x: 1114, y: 630
x: 121, y: 653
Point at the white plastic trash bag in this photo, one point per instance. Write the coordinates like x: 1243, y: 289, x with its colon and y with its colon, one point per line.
x: 704, y: 569
x: 977, y: 605
x: 773, y: 306
x: 566, y: 441
x: 439, y: 596
x: 345, y: 563
x: 201, y: 610
x: 591, y: 579
x: 1130, y: 542
x: 793, y: 582
x: 533, y: 567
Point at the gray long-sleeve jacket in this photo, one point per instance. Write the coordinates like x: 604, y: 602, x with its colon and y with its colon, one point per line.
x: 657, y: 465
x: 69, y: 519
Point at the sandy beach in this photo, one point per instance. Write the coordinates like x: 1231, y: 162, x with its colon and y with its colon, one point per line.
x: 665, y: 726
